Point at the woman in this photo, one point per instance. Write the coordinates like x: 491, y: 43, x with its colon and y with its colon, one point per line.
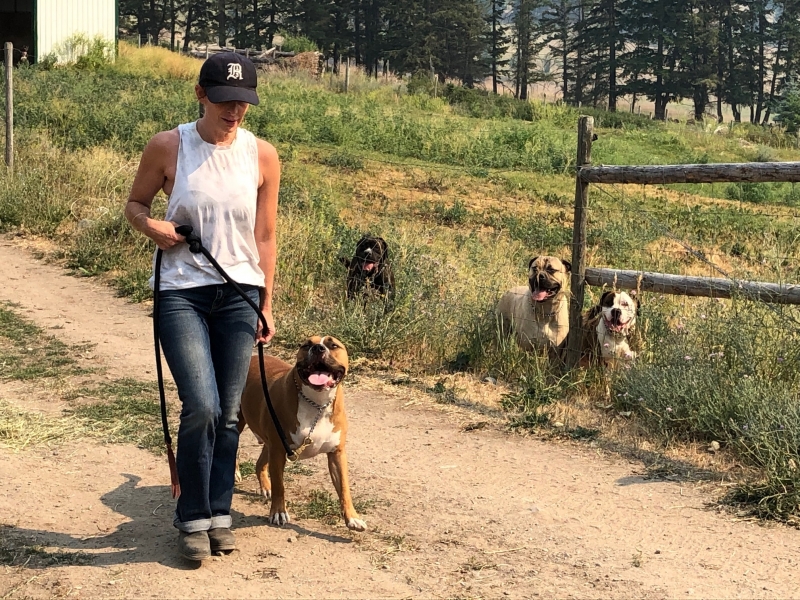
x: 222, y: 181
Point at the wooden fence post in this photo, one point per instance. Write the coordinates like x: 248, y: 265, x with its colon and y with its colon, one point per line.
x: 347, y: 75
x: 10, y: 105
x: 577, y: 281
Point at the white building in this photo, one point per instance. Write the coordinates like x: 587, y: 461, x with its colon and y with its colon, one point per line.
x: 42, y: 26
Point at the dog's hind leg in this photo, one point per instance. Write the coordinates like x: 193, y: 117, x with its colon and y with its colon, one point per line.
x: 262, y: 467
x: 240, y: 425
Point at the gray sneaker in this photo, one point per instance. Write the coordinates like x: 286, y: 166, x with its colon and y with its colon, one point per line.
x: 194, y: 546
x: 222, y: 540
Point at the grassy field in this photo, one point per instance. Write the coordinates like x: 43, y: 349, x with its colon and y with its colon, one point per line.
x: 466, y: 190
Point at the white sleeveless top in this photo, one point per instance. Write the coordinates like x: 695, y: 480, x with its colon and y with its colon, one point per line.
x: 215, y: 192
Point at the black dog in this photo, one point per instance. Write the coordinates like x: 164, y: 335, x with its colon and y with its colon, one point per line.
x: 369, y: 268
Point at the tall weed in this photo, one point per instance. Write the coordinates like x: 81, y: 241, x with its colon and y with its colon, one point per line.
x: 729, y: 372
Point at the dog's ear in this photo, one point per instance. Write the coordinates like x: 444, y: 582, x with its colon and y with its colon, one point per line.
x: 605, y: 296
x: 364, y: 239
x: 636, y: 300
x: 345, y: 261
x: 567, y: 265
x: 384, y: 246
x: 533, y: 260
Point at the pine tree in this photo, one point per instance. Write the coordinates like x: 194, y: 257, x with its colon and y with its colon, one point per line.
x: 600, y: 40
x: 528, y: 43
x: 653, y: 66
x: 498, y: 40
x: 558, y: 26
x: 787, y: 112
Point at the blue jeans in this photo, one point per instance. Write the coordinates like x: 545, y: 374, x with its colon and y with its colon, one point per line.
x: 207, y: 334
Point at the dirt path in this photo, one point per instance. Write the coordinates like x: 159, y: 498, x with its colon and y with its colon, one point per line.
x: 464, y: 514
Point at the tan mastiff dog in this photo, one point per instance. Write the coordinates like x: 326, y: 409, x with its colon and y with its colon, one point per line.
x: 309, y: 401
x: 538, y: 314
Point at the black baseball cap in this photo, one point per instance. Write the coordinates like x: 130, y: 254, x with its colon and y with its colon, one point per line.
x: 229, y: 76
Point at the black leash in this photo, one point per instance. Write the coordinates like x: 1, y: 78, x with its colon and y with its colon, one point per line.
x: 196, y: 246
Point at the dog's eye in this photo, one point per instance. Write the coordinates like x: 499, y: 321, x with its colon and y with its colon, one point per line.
x: 333, y: 346
x: 305, y: 346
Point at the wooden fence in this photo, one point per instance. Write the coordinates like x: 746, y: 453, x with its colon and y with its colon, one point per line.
x: 660, y: 282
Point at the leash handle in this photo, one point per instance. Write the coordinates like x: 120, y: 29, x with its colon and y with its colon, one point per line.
x: 173, y: 468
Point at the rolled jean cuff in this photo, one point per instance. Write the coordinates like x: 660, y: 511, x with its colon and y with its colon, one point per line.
x: 223, y: 521
x: 193, y: 526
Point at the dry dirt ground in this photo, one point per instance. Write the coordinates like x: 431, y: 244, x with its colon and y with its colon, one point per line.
x: 455, y: 513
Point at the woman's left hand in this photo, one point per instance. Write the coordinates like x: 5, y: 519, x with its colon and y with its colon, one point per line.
x: 261, y: 335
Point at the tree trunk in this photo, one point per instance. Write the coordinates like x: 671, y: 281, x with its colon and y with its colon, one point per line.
x: 172, y: 25
x: 612, y: 60
x: 256, y: 26
x: 141, y: 23
x: 273, y: 9
x: 660, y: 98
x: 579, y: 64
x: 493, y: 8
x: 152, y: 21
x: 187, y: 33
x: 737, y: 116
x: 357, y: 32
x: 762, y: 32
x: 222, y: 31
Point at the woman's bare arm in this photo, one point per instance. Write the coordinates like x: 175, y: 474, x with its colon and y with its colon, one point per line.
x: 157, y: 162
x: 266, y: 218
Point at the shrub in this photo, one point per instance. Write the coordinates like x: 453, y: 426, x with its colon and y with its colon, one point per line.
x: 730, y: 373
x: 788, y: 111
x: 420, y: 82
x: 749, y: 192
x: 85, y: 52
x: 297, y: 43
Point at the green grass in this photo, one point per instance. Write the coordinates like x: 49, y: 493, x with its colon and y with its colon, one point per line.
x: 731, y: 374
x: 15, y: 551
x: 117, y: 411
x: 27, y: 353
x: 323, y: 506
x: 128, y: 412
x: 466, y: 189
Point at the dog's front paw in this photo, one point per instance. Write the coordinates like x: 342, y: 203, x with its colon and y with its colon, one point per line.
x: 237, y: 476
x: 279, y: 518
x: 266, y: 493
x: 356, y: 524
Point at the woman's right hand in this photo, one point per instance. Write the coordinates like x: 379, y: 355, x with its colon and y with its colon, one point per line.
x: 163, y: 234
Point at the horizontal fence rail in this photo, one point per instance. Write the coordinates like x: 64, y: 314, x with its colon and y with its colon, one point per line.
x: 714, y: 173
x: 711, y: 287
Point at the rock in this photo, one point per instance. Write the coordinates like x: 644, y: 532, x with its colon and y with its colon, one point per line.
x: 291, y: 539
x: 713, y: 446
x: 558, y: 424
x: 490, y: 380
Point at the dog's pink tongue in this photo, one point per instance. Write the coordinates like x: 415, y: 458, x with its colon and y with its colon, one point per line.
x: 539, y: 296
x: 369, y: 266
x: 320, y: 379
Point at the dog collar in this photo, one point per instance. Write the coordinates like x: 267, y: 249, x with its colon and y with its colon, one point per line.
x: 547, y: 315
x: 307, y: 441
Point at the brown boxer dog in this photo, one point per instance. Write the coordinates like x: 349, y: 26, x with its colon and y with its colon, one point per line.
x: 309, y: 401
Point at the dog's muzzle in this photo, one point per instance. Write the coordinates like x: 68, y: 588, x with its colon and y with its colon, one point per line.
x: 317, y: 372
x: 541, y: 291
